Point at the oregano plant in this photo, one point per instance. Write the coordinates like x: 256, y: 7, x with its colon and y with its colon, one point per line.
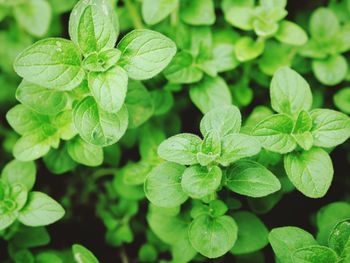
x: 174, y: 131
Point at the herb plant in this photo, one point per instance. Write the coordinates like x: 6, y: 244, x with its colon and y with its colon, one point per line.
x: 174, y: 131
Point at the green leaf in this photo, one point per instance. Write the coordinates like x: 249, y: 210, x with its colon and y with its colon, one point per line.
x: 286, y: 240
x: 163, y: 185
x: 58, y: 161
x: 213, y: 237
x: 248, y: 49
x: 102, y: 61
x: 23, y: 120
x: 181, y: 148
x: 198, y: 181
x: 182, y: 69
x: 314, y: 254
x: 301, y: 131
x: 93, y: 26
x: 34, y: 16
x: 53, y: 63
x: 339, y: 240
x: 290, y: 33
x: 85, y: 153
x: 341, y: 100
x: 99, y: 127
x: 154, y: 11
x: 145, y: 53
x: 40, y: 210
x: 311, y: 172
x: 324, y: 24
x: 210, y: 148
x: 225, y: 120
x: 252, y: 233
x: 139, y: 104
x: 241, y: 17
x: 251, y: 179
x: 47, y: 257
x: 210, y: 93
x: 42, y: 100
x: 6, y: 220
x: 19, y: 172
x: 83, y: 255
x: 274, y: 133
x: 330, y: 128
x: 330, y: 71
x: 162, y: 100
x: 285, y: 84
x: 237, y: 146
x: 198, y: 12
x: 327, y: 218
x: 109, y: 88
x: 135, y: 173
x: 34, y: 145
x: 28, y: 237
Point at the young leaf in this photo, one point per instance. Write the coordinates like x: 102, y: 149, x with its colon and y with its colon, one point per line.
x: 289, y: 92
x: 163, y: 185
x: 53, y: 63
x: 19, y: 172
x: 252, y: 233
x: 247, y: 49
x: 40, y: 99
x: 237, y: 146
x: 314, y: 254
x: 290, y: 33
x: 34, y: 16
x: 154, y: 11
x: 139, y: 104
x: 328, y: 217
x: 210, y: 93
x: 145, y: 53
x: 109, y: 88
x: 311, y: 171
x: 99, y: 127
x: 342, y: 100
x: 339, y: 240
x: 85, y: 153
x: 286, y: 240
x: 102, y: 61
x: 274, y: 133
x: 40, y: 210
x: 198, y: 12
x: 324, y: 24
x: 34, y: 145
x: 330, y: 71
x: 225, y: 120
x: 23, y: 120
x: 182, y: 69
x: 198, y: 181
x: 330, y: 128
x: 213, y: 237
x: 93, y: 26
x: 83, y: 255
x: 181, y: 148
x: 251, y: 179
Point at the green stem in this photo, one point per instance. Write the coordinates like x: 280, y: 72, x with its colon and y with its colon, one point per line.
x: 134, y: 15
x: 103, y: 172
x: 174, y: 17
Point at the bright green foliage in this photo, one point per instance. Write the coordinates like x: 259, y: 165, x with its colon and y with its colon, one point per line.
x: 329, y: 39
x: 297, y: 132
x: 152, y: 121
x: 266, y: 20
x: 212, y: 237
x: 17, y: 201
x: 98, y: 83
x: 83, y: 255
